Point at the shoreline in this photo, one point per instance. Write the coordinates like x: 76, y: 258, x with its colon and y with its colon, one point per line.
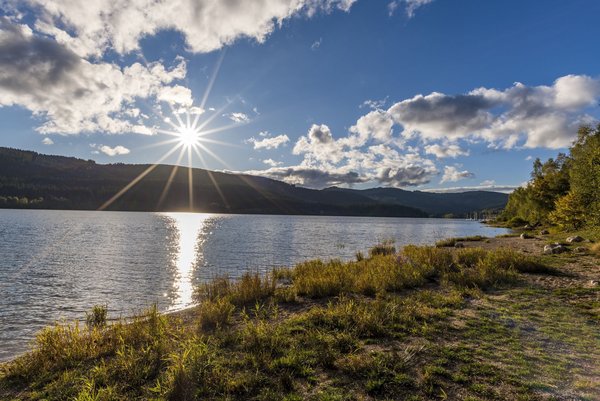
x: 463, y: 322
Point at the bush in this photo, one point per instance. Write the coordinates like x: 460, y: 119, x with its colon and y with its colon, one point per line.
x: 97, y: 316
x: 516, y: 222
x: 569, y: 212
x: 215, y: 314
x: 251, y: 287
x: 384, y: 248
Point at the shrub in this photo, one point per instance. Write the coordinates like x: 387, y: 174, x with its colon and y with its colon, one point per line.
x: 516, y: 222
x: 97, y: 316
x: 215, y: 314
x: 383, y: 248
x: 251, y: 287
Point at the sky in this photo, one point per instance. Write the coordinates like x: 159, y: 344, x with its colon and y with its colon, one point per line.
x: 442, y: 95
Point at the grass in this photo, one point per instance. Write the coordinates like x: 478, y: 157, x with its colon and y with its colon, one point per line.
x: 450, y: 242
x: 412, y: 325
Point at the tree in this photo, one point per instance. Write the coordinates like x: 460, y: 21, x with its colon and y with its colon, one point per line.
x: 569, y: 213
x: 584, y: 173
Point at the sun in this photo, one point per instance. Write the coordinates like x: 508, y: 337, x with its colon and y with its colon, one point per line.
x: 188, y: 136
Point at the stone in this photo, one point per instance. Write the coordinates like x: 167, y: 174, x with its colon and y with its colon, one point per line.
x: 459, y: 245
x: 580, y: 249
x: 594, y: 282
x: 554, y: 249
x: 525, y: 236
x: 544, y: 232
x: 575, y: 238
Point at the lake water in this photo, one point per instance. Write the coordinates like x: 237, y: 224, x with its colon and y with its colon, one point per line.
x: 55, y: 265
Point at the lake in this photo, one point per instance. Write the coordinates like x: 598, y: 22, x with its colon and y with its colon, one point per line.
x: 55, y: 265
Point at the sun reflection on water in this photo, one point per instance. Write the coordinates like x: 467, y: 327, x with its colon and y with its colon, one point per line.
x: 188, y: 227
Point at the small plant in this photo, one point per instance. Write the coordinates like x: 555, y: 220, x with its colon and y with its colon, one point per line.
x: 215, y: 314
x: 359, y: 256
x: 385, y: 247
x: 450, y: 242
x: 97, y: 316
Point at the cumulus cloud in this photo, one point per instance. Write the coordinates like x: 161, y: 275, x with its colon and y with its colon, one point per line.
x: 73, y: 95
x: 269, y: 142
x: 351, y: 160
x: 310, y: 177
x: 47, y: 141
x: 539, y: 116
x: 206, y: 25
x: 52, y: 54
x: 452, y: 174
x: 116, y: 151
x: 445, y: 150
x: 488, y: 183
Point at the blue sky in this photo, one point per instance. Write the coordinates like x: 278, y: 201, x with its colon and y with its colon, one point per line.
x: 417, y: 94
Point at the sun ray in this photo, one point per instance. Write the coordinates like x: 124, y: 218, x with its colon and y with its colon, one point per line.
x: 190, y: 179
x: 216, y: 142
x: 212, y: 80
x: 212, y: 179
x: 165, y: 191
x: 218, y: 129
x: 161, y: 143
x: 214, y: 155
x: 137, y: 179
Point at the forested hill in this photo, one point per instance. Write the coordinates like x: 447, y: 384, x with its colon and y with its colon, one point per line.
x: 33, y: 180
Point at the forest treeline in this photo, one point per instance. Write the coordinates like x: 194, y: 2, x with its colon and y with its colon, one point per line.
x: 564, y: 191
x: 29, y: 180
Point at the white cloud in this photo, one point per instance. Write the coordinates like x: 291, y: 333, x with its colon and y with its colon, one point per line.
x: 206, y: 25
x: 452, y: 174
x: 272, y: 163
x: 238, y: 117
x: 529, y: 158
x: 445, y: 150
x: 329, y: 161
x: 538, y: 116
x: 413, y: 5
x: 310, y: 177
x: 488, y: 183
x: 73, y: 95
x: 52, y: 65
x: 316, y: 44
x: 116, y: 151
x: 269, y: 143
x: 493, y: 188
x: 374, y: 104
x: 47, y: 141
x: 376, y: 124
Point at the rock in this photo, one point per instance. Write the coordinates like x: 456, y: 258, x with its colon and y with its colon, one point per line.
x: 544, y: 232
x: 573, y: 239
x: 580, y: 249
x: 527, y: 227
x: 459, y: 245
x: 595, y: 282
x: 525, y: 236
x: 554, y: 249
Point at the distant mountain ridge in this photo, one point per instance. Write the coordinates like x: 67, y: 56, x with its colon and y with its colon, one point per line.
x: 32, y: 180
